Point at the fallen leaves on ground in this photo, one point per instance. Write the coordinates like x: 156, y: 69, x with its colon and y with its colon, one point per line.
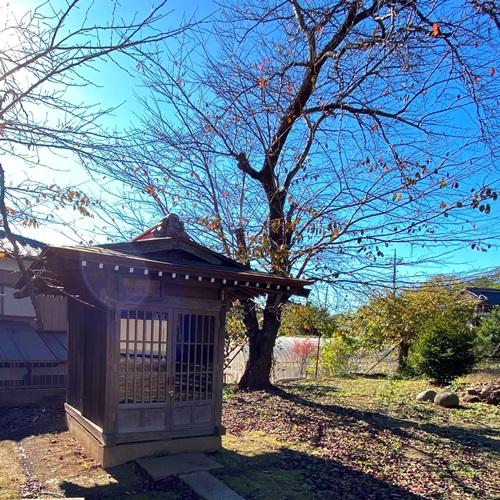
x: 381, y: 454
x: 350, y: 439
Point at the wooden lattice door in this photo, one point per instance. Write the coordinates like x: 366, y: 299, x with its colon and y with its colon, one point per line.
x: 195, y: 365
x: 167, y: 368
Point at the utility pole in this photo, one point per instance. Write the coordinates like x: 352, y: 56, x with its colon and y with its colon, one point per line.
x: 394, y: 275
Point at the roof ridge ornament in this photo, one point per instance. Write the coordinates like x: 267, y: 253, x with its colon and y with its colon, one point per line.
x: 171, y: 227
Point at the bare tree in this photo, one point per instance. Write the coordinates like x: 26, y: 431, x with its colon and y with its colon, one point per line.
x: 47, y: 52
x: 307, y: 137
x: 47, y: 55
x: 17, y: 255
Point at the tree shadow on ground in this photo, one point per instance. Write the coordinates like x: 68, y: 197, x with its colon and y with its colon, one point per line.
x: 281, y: 474
x: 19, y: 422
x: 285, y: 474
x: 315, y: 388
x: 131, y: 482
x: 474, y: 438
x: 374, y: 375
x: 278, y: 473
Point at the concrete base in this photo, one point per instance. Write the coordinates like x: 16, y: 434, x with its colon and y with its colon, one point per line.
x: 109, y: 456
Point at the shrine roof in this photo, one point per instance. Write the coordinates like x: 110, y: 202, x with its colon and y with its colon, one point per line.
x: 163, y: 256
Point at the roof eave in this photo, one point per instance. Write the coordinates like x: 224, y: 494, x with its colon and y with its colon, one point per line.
x: 243, y: 281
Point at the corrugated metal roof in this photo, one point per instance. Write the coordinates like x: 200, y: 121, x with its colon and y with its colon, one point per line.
x: 19, y: 341
x: 57, y: 342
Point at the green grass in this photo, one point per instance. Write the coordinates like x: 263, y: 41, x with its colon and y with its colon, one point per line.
x: 360, y: 437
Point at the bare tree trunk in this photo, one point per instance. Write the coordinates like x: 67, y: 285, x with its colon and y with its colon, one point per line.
x: 403, y: 352
x: 17, y: 254
x: 261, y: 342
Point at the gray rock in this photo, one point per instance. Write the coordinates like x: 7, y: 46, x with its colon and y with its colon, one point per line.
x: 427, y: 395
x: 446, y: 400
x: 484, y: 393
x: 472, y: 391
x: 470, y: 398
x: 487, y: 390
x: 490, y: 389
x: 493, y: 398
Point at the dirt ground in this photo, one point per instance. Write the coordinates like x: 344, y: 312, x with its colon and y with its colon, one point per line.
x: 347, y: 439
x: 40, y: 459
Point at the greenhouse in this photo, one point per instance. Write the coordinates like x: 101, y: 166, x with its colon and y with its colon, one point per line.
x: 290, y: 361
x: 287, y: 360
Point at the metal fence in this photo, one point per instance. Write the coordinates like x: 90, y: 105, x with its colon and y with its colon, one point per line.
x: 32, y: 374
x: 284, y: 368
x: 384, y: 361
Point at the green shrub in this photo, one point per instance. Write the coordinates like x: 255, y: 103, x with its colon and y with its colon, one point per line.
x: 446, y: 348
x: 337, y: 353
x: 489, y: 330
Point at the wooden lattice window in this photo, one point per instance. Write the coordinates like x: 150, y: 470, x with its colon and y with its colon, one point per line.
x: 194, y: 367
x: 143, y: 356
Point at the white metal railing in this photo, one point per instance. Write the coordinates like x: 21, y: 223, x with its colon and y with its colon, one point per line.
x: 32, y: 374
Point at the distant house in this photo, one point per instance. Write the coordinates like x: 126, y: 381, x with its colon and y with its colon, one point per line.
x: 32, y: 363
x: 488, y: 298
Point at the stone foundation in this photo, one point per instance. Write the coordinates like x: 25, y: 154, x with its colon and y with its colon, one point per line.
x: 111, y: 455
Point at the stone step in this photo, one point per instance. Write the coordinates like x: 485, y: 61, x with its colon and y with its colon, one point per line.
x: 173, y: 465
x: 209, y: 487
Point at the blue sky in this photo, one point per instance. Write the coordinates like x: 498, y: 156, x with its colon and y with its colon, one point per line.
x: 114, y: 87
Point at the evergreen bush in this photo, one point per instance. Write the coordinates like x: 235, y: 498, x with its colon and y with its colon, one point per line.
x: 490, y: 331
x: 446, y: 348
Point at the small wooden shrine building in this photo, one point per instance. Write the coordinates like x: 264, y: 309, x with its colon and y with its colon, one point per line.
x: 145, y: 339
